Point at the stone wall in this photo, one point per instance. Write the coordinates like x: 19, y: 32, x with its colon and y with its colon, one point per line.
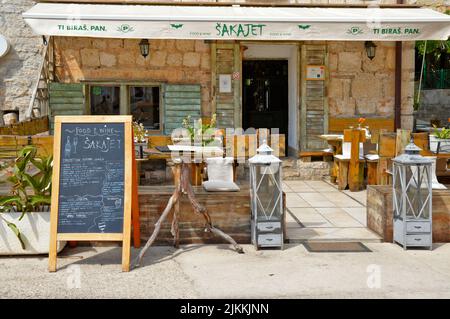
x: 439, y: 5
x: 362, y: 87
x: 19, y: 68
x: 171, y: 61
x: 434, y: 104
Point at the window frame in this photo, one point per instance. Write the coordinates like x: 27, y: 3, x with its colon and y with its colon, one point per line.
x: 125, y: 98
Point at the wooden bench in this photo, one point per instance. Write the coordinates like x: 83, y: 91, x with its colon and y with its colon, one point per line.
x: 10, y: 145
x: 31, y: 127
x: 338, y: 125
x: 323, y: 156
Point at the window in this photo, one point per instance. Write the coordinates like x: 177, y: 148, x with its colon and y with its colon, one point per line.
x: 142, y: 101
x: 144, y: 106
x: 105, y: 100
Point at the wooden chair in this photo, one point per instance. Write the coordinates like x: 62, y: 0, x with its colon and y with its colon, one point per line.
x: 351, y: 162
x: 386, y: 151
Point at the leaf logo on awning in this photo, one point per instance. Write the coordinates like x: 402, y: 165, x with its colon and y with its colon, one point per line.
x: 125, y: 28
x: 176, y: 26
x: 304, y: 26
x: 355, y: 31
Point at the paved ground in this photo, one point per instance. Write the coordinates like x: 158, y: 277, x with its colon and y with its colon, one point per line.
x: 215, y: 271
x: 318, y: 211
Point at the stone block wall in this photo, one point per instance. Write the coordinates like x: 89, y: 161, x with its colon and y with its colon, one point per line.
x: 434, y: 104
x: 362, y: 87
x: 170, y: 61
x: 19, y: 68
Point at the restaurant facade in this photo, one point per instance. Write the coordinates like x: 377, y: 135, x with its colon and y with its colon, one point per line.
x: 304, y: 69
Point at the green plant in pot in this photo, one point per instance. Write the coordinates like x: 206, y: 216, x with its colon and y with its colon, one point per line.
x: 31, y: 180
x: 440, y: 140
x: 199, y: 131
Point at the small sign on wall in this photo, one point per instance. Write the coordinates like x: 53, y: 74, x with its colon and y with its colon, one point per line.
x: 315, y: 72
x: 225, y: 83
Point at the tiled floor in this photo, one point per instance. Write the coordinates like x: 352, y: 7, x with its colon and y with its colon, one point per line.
x: 318, y: 211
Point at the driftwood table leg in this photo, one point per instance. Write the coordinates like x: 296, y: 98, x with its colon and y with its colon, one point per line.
x: 175, y: 230
x: 201, y: 210
x: 182, y: 185
x: 173, y: 200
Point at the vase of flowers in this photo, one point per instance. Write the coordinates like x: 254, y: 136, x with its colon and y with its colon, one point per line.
x: 198, y: 132
x: 140, y: 138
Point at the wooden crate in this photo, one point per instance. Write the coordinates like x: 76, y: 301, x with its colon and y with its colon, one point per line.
x: 380, y: 213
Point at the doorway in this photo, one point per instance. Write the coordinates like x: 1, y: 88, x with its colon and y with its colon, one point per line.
x: 265, y: 95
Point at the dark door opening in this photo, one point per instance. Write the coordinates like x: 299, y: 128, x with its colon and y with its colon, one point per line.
x: 265, y: 95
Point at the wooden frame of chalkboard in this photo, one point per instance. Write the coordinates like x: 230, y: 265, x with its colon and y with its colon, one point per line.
x: 98, y: 132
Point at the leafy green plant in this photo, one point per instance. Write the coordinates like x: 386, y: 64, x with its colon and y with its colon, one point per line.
x: 200, y: 131
x: 443, y: 133
x: 30, y: 192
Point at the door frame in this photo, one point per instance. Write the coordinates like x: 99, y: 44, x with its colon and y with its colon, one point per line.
x: 289, y: 52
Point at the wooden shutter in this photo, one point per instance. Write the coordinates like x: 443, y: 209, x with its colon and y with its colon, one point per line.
x: 180, y: 100
x: 314, y: 107
x: 226, y: 59
x: 66, y: 99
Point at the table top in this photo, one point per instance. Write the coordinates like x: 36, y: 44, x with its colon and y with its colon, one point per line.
x: 196, y: 149
x: 332, y: 137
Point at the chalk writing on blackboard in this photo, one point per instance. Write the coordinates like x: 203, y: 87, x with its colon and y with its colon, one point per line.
x: 91, y: 193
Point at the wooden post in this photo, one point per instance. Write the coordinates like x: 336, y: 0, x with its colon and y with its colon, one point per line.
x: 135, y: 202
x: 372, y: 169
x: 402, y: 139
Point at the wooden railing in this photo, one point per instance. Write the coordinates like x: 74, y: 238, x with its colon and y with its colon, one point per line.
x: 30, y: 127
x: 10, y: 146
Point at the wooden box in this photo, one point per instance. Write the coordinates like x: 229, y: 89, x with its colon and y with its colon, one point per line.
x: 380, y: 213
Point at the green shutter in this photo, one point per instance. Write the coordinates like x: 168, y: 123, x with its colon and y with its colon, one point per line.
x: 180, y: 100
x: 314, y: 102
x: 66, y: 99
x: 226, y: 59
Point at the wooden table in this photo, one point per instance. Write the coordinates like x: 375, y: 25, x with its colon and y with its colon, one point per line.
x: 183, y: 186
x: 335, y: 141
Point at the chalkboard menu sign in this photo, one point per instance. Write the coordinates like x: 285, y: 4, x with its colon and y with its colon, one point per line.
x: 91, y: 180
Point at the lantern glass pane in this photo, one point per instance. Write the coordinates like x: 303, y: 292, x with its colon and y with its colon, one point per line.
x: 398, y: 200
x: 268, y: 192
x: 418, y: 197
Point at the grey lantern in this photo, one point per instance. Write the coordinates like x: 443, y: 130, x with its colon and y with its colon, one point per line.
x: 266, y: 199
x: 412, y: 198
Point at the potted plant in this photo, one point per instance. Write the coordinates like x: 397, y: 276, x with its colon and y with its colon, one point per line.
x: 440, y: 140
x: 199, y: 133
x: 25, y: 214
x: 203, y: 131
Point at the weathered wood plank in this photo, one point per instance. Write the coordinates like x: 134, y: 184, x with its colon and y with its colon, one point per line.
x: 182, y: 88
x: 55, y: 86
x: 338, y: 125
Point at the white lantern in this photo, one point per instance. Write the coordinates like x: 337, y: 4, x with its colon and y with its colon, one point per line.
x: 412, y: 198
x: 266, y: 199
